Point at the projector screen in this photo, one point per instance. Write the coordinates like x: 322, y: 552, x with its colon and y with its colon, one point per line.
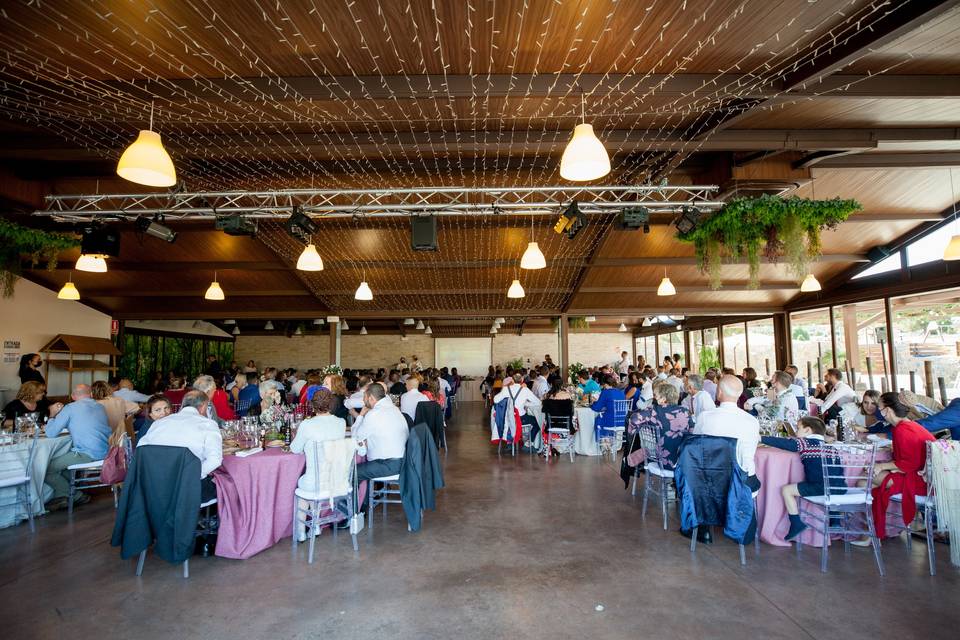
x: 471, y: 356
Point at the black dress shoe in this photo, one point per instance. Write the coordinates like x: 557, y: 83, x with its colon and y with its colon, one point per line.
x: 703, y: 534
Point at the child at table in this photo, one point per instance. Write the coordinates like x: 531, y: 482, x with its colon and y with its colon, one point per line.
x: 809, y: 444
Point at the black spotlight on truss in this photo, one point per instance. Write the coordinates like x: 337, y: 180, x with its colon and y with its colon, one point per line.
x: 236, y: 225
x: 689, y: 217
x: 155, y: 228
x: 571, y: 221
x: 634, y: 218
x: 300, y: 225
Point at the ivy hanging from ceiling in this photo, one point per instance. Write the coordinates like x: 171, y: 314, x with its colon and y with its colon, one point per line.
x: 766, y: 226
x: 17, y: 240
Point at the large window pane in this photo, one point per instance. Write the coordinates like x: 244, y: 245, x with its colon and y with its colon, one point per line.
x: 696, y: 345
x: 861, y: 333
x: 763, y: 354
x: 926, y: 329
x: 890, y: 263
x: 734, y: 347
x: 930, y: 247
x: 812, y: 351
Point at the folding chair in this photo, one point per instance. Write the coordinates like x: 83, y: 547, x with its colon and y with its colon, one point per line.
x: 649, y: 435
x: 926, y: 509
x: 311, y: 516
x: 15, y: 469
x: 204, y: 527
x: 558, y: 430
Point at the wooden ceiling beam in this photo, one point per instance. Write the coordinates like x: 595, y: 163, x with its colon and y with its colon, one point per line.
x: 918, y: 160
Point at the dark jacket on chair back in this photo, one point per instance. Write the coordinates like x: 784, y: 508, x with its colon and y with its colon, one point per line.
x: 160, y: 501
x: 712, y: 488
x: 431, y: 414
x: 420, y: 474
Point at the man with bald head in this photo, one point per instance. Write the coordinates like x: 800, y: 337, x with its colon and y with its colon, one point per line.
x: 729, y: 421
x: 85, y: 420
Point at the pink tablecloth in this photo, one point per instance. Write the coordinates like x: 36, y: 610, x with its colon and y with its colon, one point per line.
x: 255, y: 501
x: 775, y: 468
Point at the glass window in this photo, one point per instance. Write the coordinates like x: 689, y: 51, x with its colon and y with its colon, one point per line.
x: 675, y: 344
x: 763, y: 354
x: 861, y: 332
x: 645, y: 348
x: 696, y: 346
x: 710, y: 353
x: 810, y: 340
x: 734, y: 346
x: 926, y: 333
x: 930, y: 247
x: 890, y: 263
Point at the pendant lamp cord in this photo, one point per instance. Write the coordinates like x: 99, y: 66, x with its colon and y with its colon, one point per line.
x: 151, y: 116
x: 583, y: 108
x: 953, y: 197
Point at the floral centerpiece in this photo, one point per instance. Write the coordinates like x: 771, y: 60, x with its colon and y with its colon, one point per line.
x: 332, y: 369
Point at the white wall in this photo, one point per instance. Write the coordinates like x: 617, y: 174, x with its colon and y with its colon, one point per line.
x: 33, y: 316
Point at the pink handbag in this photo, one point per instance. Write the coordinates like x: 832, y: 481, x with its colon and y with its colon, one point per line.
x: 114, y: 469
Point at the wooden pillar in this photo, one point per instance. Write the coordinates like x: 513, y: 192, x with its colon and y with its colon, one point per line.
x: 928, y: 379
x: 633, y: 347
x: 746, y: 344
x: 686, y: 349
x: 564, y: 346
x: 851, y: 336
x: 781, y: 341
x: 890, y: 346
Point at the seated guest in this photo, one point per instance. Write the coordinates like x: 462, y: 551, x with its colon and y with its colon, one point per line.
x: 520, y: 396
x: 557, y: 391
x: 750, y: 382
x: 191, y: 428
x: 700, y: 400
x: 397, y: 388
x: 125, y: 390
x: 809, y: 444
x: 297, y: 385
x: 250, y: 367
x: 902, y: 475
x: 382, y: 430
x: 836, y: 394
x: 868, y: 419
x: 271, y: 400
x: 221, y: 401
x: 799, y: 384
x: 541, y: 386
x: 208, y: 385
x: 672, y: 421
x: 949, y: 418
x: 322, y: 426
x: 249, y: 395
x: 314, y: 382
x: 606, y: 404
x: 31, y: 398
x: 779, y: 400
x: 86, y: 422
x: 176, y: 389
x: 632, y: 391
x: 676, y: 379
x: 356, y: 402
x: 587, y: 384
x: 117, y: 409
x: 335, y: 384
x: 710, y: 383
x: 158, y: 406
x: 729, y: 421
x: 413, y: 397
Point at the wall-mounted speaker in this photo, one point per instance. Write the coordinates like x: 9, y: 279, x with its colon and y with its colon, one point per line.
x: 423, y: 233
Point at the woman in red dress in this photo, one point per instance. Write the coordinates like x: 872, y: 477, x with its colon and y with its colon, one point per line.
x: 909, y: 457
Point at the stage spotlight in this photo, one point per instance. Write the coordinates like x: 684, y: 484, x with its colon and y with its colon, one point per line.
x: 634, y: 218
x: 571, y: 221
x: 689, y: 216
x: 300, y: 225
x: 155, y: 228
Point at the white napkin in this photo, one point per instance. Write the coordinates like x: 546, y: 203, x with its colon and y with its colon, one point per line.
x: 248, y: 452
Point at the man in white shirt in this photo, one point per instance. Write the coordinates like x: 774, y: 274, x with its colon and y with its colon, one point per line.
x: 661, y: 373
x: 730, y: 421
x: 191, y: 429
x: 520, y: 397
x: 383, y: 431
x: 444, y: 386
x: 839, y: 395
x: 700, y: 400
x: 675, y: 379
x: 125, y: 391
x: 355, y: 401
x: 779, y: 400
x: 540, y: 386
x: 646, y: 389
x: 297, y: 386
x: 623, y: 367
x: 413, y: 397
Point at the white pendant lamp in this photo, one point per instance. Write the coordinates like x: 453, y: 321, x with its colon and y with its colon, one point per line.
x: 268, y: 326
x: 952, y: 252
x: 92, y: 262
x: 591, y: 318
x: 500, y: 320
x: 622, y: 328
x: 532, y: 258
x: 298, y: 331
x: 363, y: 291
x: 810, y: 284
x: 214, y: 292
x: 409, y: 322
x: 344, y: 326
x: 646, y: 321
x: 428, y: 332
x: 309, y: 259
x: 585, y: 157
x: 515, y: 290
x: 69, y: 291
x: 146, y: 161
x: 666, y: 287
x: 318, y: 321
x: 229, y: 321
x: 493, y: 331
x: 236, y: 331
x: 363, y: 330
x: 419, y: 326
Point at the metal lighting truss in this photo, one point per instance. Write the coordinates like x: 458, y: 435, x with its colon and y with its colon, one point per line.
x: 377, y: 202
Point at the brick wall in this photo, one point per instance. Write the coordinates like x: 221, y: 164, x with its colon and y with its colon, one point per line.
x: 301, y: 352
x: 530, y: 346
x: 374, y: 351
x: 598, y: 348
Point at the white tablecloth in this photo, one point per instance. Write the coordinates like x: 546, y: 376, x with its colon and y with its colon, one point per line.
x: 47, y: 449
x: 584, y: 442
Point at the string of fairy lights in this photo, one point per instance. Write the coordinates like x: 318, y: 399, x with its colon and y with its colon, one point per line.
x: 233, y: 113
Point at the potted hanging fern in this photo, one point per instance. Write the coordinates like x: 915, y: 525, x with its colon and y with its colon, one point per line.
x: 766, y: 226
x: 16, y: 240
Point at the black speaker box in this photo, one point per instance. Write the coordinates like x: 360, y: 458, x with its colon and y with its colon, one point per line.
x: 101, y: 241
x: 423, y: 233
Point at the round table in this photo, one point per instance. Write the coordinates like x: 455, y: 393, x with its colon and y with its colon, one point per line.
x: 47, y: 449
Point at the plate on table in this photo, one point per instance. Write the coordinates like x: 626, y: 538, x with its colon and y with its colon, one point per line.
x: 881, y: 442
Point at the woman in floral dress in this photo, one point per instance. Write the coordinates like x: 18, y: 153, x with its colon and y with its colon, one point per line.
x: 672, y: 421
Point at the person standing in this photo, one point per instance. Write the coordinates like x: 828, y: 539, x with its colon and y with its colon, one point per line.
x: 30, y: 368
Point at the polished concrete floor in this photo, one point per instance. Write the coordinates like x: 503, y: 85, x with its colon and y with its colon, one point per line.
x: 517, y: 549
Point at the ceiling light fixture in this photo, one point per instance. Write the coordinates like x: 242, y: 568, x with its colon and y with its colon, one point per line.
x: 646, y: 322
x: 666, y: 287
x: 268, y: 326
x: 363, y: 330
x: 344, y: 326
x: 515, y: 290
x: 94, y: 263
x: 591, y: 318
x: 500, y: 320
x: 214, y: 292
x: 409, y: 322
x: 69, y: 290
x: 689, y: 216
x: 584, y: 158
x: 622, y: 328
x: 419, y: 326
x: 532, y: 257
x: 810, y: 284
x: 146, y: 161
x: 571, y: 221
x: 363, y: 291
x: 236, y: 331
x: 298, y: 331
x: 309, y: 259
x: 428, y: 332
x: 318, y: 321
x: 155, y: 228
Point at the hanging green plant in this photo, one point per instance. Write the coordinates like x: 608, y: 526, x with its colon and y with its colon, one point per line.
x: 16, y: 240
x: 578, y: 322
x: 769, y: 226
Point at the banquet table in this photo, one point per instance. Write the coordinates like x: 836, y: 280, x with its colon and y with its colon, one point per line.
x: 776, y: 468
x: 47, y: 449
x: 584, y: 440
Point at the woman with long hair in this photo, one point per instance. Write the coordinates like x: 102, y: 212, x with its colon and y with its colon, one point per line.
x: 30, y: 368
x: 117, y: 410
x: 31, y: 398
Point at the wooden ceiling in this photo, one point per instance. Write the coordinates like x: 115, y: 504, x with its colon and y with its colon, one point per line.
x: 852, y: 98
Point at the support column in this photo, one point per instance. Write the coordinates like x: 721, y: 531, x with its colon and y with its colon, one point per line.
x: 890, y: 346
x: 564, y: 345
x: 334, y: 351
x: 781, y: 340
x: 851, y: 336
